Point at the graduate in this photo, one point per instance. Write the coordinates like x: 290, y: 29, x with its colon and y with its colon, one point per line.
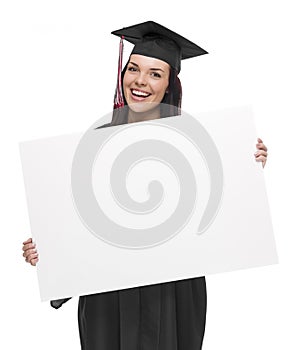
x: 165, y: 316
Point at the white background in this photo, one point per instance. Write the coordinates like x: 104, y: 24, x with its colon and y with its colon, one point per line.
x: 58, y: 72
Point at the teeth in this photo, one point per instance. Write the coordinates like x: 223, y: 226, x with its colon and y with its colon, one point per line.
x: 140, y: 93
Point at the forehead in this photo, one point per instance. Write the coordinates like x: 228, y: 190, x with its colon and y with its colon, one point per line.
x: 149, y: 62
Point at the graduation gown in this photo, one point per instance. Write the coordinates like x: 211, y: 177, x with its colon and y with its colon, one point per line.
x: 165, y: 316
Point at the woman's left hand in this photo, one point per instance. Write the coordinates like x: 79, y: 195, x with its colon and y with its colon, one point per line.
x: 261, y: 154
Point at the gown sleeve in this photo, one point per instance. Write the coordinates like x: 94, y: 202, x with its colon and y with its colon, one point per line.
x: 58, y: 303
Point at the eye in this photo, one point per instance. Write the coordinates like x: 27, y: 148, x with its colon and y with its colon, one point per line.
x: 156, y: 75
x: 132, y: 69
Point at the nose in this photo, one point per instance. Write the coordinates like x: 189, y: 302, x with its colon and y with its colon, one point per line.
x: 141, y: 79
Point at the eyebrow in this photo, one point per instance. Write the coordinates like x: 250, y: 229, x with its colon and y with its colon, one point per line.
x: 154, y: 69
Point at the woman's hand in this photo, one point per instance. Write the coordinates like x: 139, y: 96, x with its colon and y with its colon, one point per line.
x: 261, y: 154
x: 30, y: 252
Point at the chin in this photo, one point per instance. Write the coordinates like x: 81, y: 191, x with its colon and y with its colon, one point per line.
x: 142, y: 107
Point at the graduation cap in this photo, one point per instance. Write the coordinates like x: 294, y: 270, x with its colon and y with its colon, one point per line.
x: 154, y: 40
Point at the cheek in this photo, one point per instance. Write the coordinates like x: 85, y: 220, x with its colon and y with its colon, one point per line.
x: 125, y: 82
x: 161, y: 88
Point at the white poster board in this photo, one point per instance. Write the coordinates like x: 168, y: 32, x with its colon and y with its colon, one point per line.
x: 146, y: 203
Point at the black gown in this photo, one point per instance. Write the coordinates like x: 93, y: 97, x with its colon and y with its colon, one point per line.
x: 165, y: 316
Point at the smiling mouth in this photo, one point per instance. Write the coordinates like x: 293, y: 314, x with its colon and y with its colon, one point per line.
x: 139, y: 93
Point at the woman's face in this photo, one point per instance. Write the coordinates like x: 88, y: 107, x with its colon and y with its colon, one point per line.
x: 145, y: 82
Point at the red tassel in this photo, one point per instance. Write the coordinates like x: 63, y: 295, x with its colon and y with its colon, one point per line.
x: 118, y: 98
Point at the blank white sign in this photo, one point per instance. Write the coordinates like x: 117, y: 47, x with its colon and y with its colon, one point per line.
x: 107, y: 230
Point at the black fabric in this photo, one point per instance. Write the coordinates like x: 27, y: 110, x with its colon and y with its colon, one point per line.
x: 166, y: 316
x: 58, y: 302
x: 154, y: 40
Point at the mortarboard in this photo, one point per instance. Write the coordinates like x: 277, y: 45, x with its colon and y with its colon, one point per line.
x: 154, y: 40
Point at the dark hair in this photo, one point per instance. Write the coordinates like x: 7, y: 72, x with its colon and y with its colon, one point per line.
x: 170, y: 104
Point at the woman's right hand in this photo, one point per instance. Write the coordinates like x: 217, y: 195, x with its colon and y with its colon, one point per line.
x: 30, y: 252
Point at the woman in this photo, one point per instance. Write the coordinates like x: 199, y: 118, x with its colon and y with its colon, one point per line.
x: 166, y: 316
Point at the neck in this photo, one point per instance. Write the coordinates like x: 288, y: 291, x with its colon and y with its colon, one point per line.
x: 134, y: 117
